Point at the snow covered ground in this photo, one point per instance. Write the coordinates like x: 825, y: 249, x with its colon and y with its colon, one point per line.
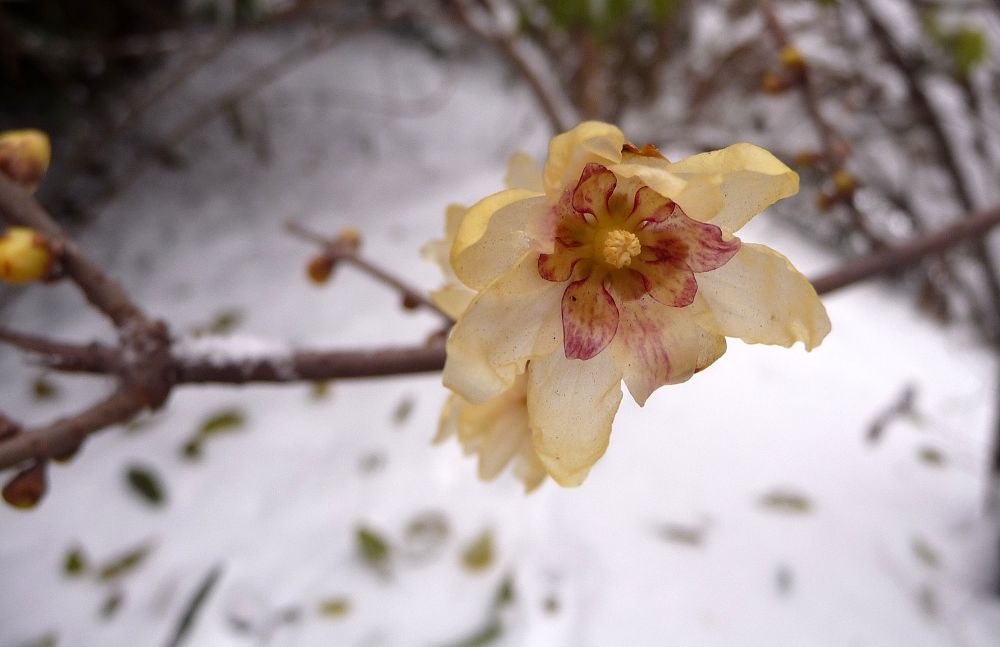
x: 742, y: 508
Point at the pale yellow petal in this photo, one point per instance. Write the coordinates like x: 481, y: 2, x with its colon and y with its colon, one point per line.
x: 761, y: 298
x: 652, y: 172
x: 495, y: 431
x: 658, y: 344
x: 448, y: 423
x: 516, y: 318
x: 728, y: 187
x: 528, y: 468
x: 524, y: 172
x: 493, y: 235
x: 591, y: 141
x: 571, y: 405
x: 453, y: 299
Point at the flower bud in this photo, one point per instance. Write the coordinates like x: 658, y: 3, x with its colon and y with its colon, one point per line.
x: 775, y: 83
x: 24, y: 156
x: 350, y: 238
x: 824, y: 201
x: 25, y: 256
x: 844, y: 183
x: 320, y: 268
x: 791, y: 58
x: 806, y: 158
x: 27, y: 487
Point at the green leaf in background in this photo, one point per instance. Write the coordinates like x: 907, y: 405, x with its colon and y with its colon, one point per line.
x: 925, y: 552
x: 223, y: 322
x: 686, y: 535
x: 112, y: 604
x: 124, y: 563
x: 334, y: 607
x: 194, y: 605
x: 44, y: 389
x: 931, y: 456
x: 664, y: 10
x: 320, y: 389
x: 403, y: 410
x: 569, y: 13
x: 75, y: 562
x: 50, y: 639
x: 426, y: 534
x: 222, y: 422
x: 505, y: 593
x: 479, y: 554
x: 372, y: 547
x: 968, y: 49
x: 144, y: 482
x: 489, y: 634
x: 786, y: 502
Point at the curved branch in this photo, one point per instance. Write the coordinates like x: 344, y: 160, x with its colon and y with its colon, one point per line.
x: 18, y: 207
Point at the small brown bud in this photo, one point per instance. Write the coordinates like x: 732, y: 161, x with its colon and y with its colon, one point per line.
x: 775, y: 82
x: 24, y: 156
x: 791, y: 59
x: 320, y: 268
x: 844, y: 183
x: 68, y: 455
x: 806, y: 158
x: 350, y: 238
x: 27, y: 488
x: 25, y: 256
x: 824, y: 201
x: 410, y: 302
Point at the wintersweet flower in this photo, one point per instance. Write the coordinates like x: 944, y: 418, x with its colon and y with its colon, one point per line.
x: 498, y: 430
x: 618, y: 265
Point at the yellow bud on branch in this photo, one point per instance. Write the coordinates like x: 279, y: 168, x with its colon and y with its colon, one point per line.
x: 25, y: 256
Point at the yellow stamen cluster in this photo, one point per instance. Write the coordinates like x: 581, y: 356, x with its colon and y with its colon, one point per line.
x: 620, y: 247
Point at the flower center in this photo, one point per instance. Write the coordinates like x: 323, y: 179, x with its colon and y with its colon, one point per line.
x: 620, y: 247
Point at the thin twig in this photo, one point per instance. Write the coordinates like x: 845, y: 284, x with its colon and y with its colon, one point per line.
x: 337, y: 251
x: 932, y: 121
x: 827, y: 135
x: 510, y: 51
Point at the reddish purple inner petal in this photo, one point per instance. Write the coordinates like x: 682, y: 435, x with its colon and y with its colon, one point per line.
x: 589, y: 316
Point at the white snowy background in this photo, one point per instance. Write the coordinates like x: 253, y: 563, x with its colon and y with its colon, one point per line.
x: 671, y: 541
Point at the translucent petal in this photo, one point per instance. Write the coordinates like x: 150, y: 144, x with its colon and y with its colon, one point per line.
x: 514, y: 319
x: 528, y: 468
x: 591, y: 141
x: 453, y: 299
x: 523, y: 172
x: 728, y: 187
x: 571, y: 405
x: 658, y: 345
x: 761, y: 298
x: 493, y: 235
